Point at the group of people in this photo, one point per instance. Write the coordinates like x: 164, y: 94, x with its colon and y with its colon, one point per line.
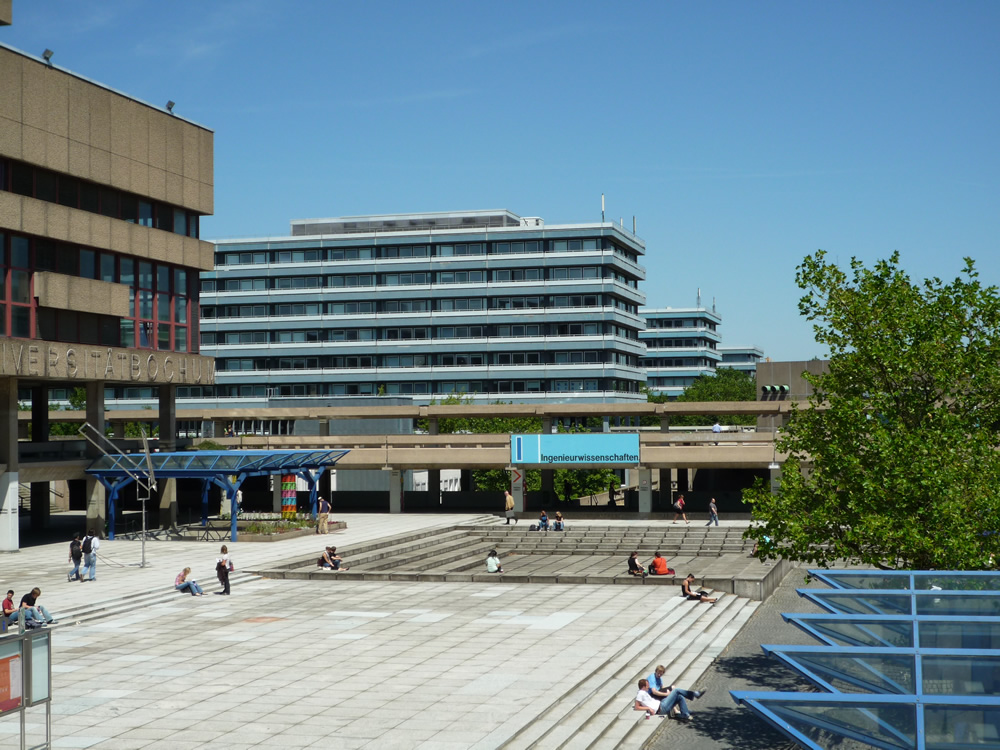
x: 679, y: 512
x: 35, y: 614
x: 83, y: 557
x: 659, y: 567
x: 330, y: 560
x: 657, y: 699
x: 558, y: 524
x: 223, y: 566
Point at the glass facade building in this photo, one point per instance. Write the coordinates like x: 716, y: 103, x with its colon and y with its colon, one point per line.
x: 484, y: 303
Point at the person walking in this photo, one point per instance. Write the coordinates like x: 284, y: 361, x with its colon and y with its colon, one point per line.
x: 222, y: 567
x: 89, y: 547
x: 324, y: 516
x: 75, y: 557
x: 713, y: 512
x: 679, y: 509
x: 508, y: 507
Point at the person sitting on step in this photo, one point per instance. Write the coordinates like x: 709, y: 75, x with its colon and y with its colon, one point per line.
x: 331, y: 560
x: 695, y: 596
x: 543, y: 521
x: 559, y: 524
x: 635, y: 567
x: 654, y: 706
x: 659, y: 566
x: 493, y: 563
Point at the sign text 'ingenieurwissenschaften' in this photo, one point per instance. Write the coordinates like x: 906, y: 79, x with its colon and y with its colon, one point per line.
x: 587, y: 448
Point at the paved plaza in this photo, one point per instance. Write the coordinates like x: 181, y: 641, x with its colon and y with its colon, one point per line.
x: 346, y: 664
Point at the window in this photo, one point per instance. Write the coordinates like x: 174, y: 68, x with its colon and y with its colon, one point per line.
x: 518, y: 331
x: 516, y: 248
x: 306, y: 309
x: 472, y: 248
x: 460, y: 332
x: 288, y: 337
x: 405, y: 279
x: 352, y: 280
x: 405, y: 305
x: 461, y: 277
x: 352, y: 334
x: 297, y: 282
x: 504, y: 275
x: 246, y: 337
x: 404, y: 251
x: 351, y: 253
x: 402, y: 334
x: 462, y: 360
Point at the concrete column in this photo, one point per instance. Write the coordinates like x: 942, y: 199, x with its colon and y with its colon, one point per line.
x: 168, y: 419
x: 606, y: 424
x: 517, y: 488
x: 276, y: 493
x: 118, y: 430
x: 664, y: 423
x: 775, y: 479
x: 434, y: 486
x: 645, y: 491
x: 96, y: 506
x: 9, y: 460
x: 546, y: 425
x: 167, y: 490
x: 39, y: 415
x: 395, y: 491
x: 40, y: 501
x: 95, y: 416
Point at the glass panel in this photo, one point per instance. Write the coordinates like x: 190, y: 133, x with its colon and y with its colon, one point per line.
x: 40, y: 687
x: 20, y: 252
x: 855, y: 603
x: 129, y: 208
x: 163, y: 338
x: 961, y: 675
x: 87, y: 263
x: 10, y: 658
x: 866, y: 633
x: 947, y: 727
x: 960, y: 634
x: 107, y: 267
x: 145, y: 275
x: 180, y: 223
x: 959, y: 605
x: 862, y: 673
x: 20, y: 286
x: 45, y: 186
x: 69, y: 191
x: 892, y: 725
x: 146, y: 213
x: 867, y: 581
x: 127, y: 271
x: 180, y: 339
x: 20, y: 322
x: 163, y: 306
x: 109, y: 202
x: 128, y: 334
x: 957, y: 582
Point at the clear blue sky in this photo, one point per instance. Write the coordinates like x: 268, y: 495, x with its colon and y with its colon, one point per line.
x: 741, y: 135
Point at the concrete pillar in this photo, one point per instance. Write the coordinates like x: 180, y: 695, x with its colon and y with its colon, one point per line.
x: 664, y: 423
x: 39, y: 505
x: 395, y: 491
x: 775, y: 476
x: 167, y: 490
x: 434, y: 486
x: 645, y: 491
x: 9, y: 541
x: 276, y: 493
x: 39, y: 415
x: 96, y: 506
x: 118, y: 430
x: 168, y: 421
x: 95, y: 416
x: 606, y: 424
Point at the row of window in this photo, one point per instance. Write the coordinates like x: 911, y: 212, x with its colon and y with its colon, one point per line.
x: 679, y: 343
x: 53, y: 187
x: 476, y: 359
x: 403, y: 333
x: 163, y: 300
x: 371, y: 307
x: 679, y: 323
x: 412, y: 278
x: 447, y: 250
x: 562, y: 385
x: 678, y: 362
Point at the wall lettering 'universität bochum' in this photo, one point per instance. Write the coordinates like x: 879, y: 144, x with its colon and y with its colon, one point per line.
x: 75, y: 361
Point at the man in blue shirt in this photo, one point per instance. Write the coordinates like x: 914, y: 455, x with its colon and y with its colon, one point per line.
x: 668, y: 695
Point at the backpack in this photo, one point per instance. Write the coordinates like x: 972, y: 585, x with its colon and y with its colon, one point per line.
x: 88, y: 545
x: 74, y: 548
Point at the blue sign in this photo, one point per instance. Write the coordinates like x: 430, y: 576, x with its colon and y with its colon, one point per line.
x: 604, y: 449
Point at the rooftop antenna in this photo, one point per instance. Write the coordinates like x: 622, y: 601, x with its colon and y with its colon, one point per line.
x: 633, y: 223
x: 602, y: 208
x: 713, y: 304
x: 143, y: 477
x: 699, y: 297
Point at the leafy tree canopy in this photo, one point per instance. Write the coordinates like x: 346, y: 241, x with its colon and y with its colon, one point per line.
x: 726, y: 384
x: 896, y: 463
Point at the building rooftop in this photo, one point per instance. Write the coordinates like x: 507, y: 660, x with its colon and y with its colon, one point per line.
x: 410, y: 222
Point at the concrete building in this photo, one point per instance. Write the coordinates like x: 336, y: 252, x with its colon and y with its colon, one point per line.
x: 100, y: 201
x: 681, y: 345
x: 484, y: 303
x: 742, y: 358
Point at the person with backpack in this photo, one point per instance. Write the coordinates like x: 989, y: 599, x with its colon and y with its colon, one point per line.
x: 89, y: 547
x: 222, y: 567
x: 75, y: 557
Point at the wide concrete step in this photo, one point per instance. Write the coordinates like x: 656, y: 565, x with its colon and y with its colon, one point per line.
x: 390, y: 558
x: 612, y: 716
x: 579, y: 716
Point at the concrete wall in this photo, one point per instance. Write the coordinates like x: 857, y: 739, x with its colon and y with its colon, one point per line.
x: 84, y: 295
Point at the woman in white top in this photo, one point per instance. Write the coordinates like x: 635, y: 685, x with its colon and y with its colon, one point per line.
x: 222, y: 567
x: 493, y: 562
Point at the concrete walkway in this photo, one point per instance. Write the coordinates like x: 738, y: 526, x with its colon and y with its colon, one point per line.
x: 302, y: 664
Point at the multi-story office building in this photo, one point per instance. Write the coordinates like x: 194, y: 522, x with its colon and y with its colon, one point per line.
x: 100, y: 201
x: 484, y: 303
x: 681, y: 345
x: 742, y: 358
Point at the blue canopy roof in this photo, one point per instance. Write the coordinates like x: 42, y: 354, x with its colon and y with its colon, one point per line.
x: 910, y: 661
x: 203, y: 464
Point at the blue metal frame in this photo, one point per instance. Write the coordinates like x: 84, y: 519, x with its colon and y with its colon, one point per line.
x: 225, y: 469
x: 979, y: 692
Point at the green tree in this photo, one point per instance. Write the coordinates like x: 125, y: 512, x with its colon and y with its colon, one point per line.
x: 896, y: 463
x: 726, y: 384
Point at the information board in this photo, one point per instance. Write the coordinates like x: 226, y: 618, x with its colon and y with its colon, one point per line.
x: 601, y: 449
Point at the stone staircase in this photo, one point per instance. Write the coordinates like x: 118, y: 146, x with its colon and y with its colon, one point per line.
x: 595, y: 710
